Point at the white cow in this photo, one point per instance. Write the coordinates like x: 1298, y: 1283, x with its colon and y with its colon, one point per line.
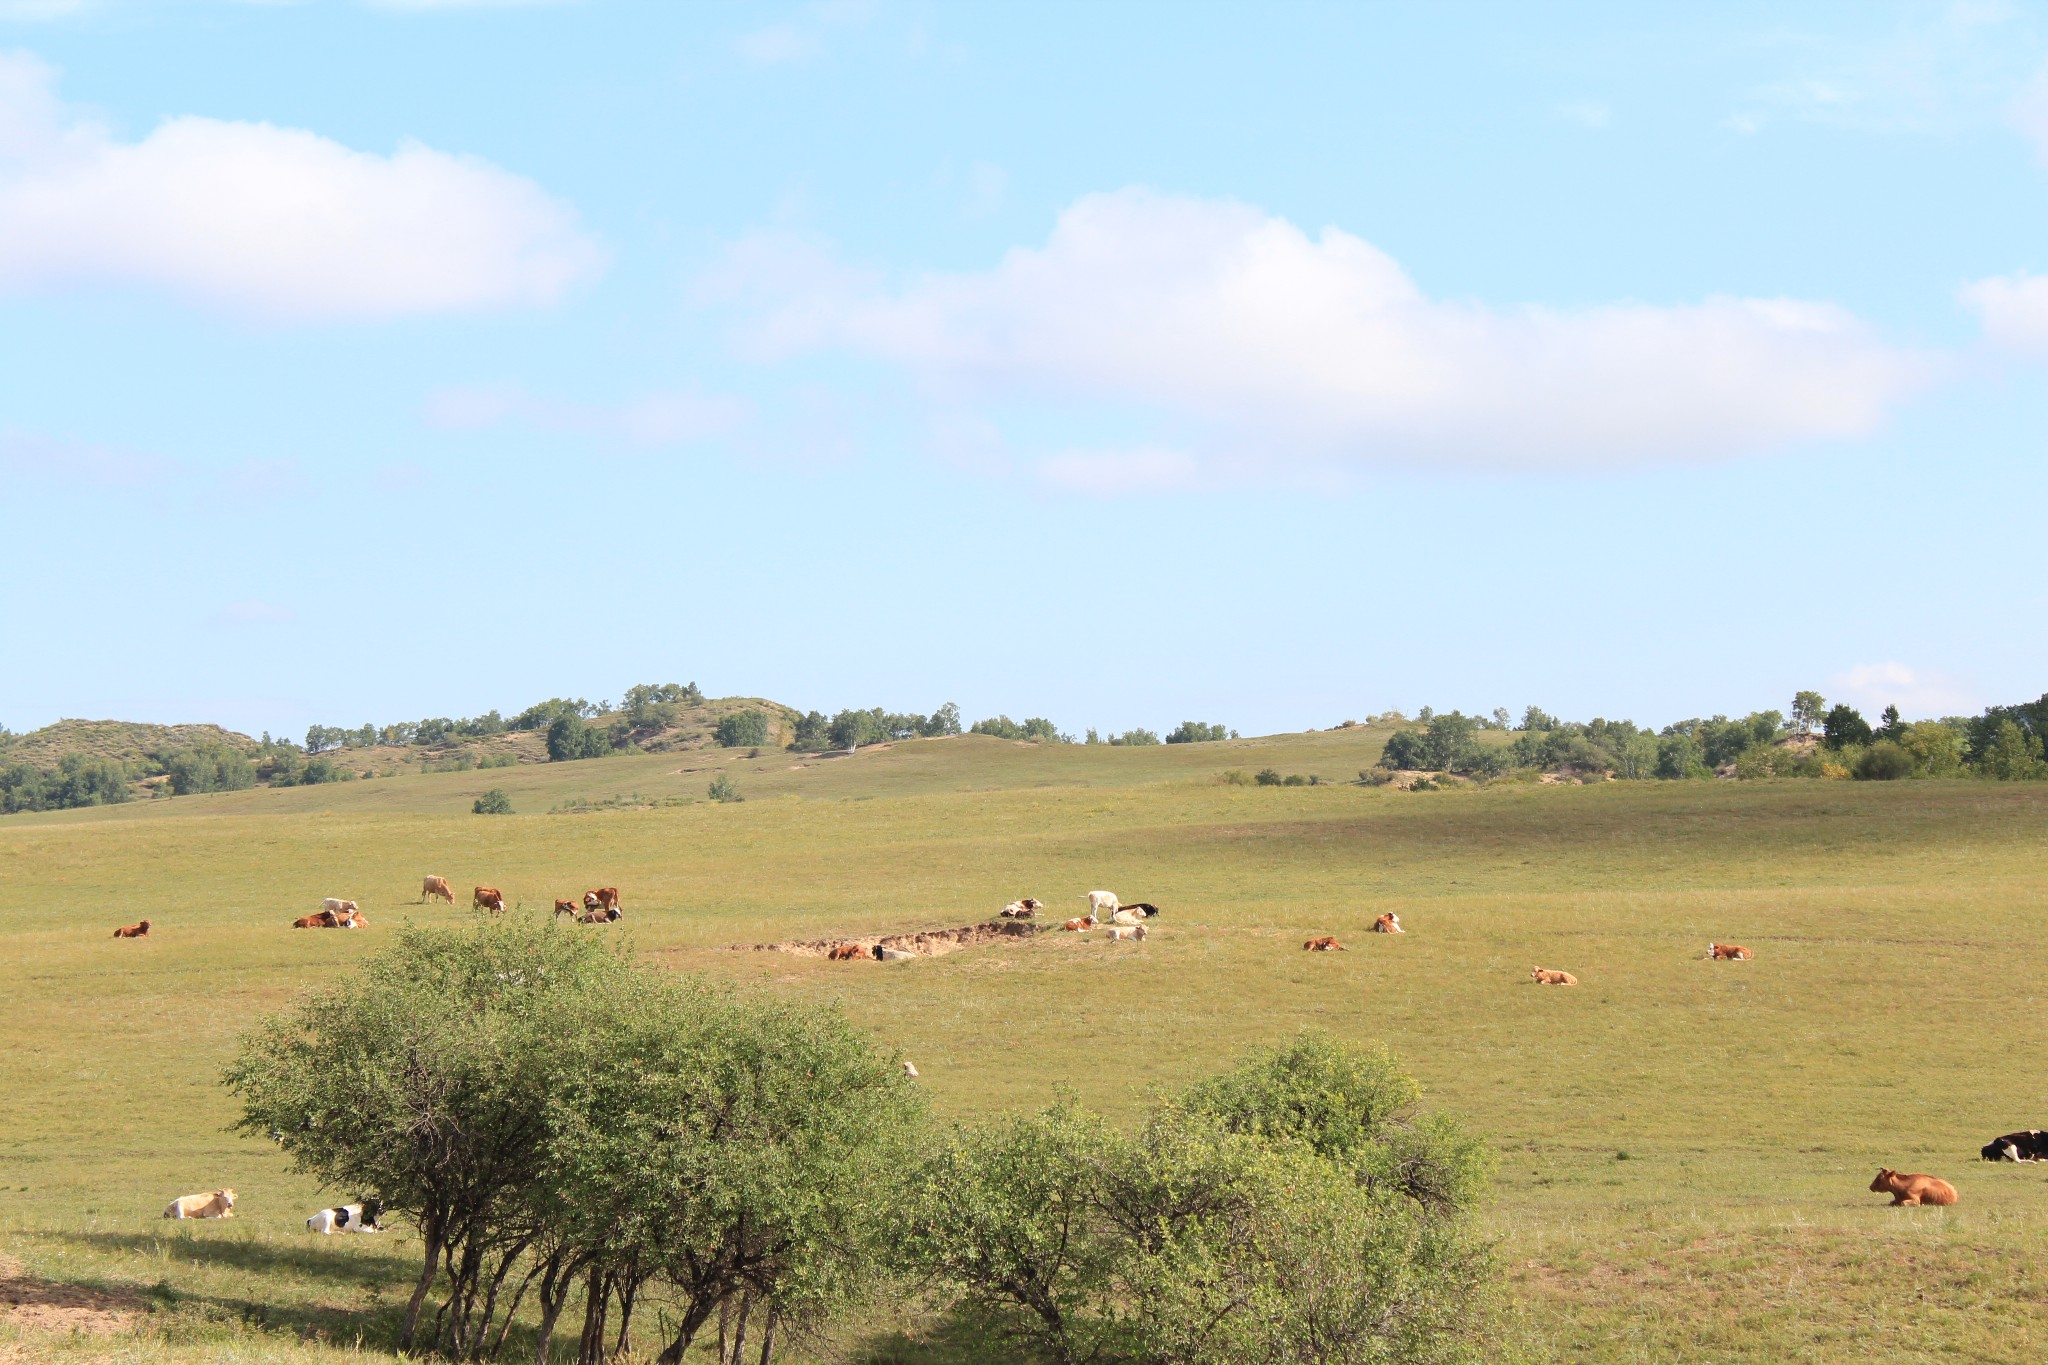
x: 337, y: 905
x: 1101, y: 903
x: 347, y: 1218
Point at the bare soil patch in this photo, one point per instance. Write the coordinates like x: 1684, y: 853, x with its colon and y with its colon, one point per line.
x: 46, y: 1306
x: 923, y: 942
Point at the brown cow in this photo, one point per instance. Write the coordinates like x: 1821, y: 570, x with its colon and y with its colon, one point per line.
x: 140, y: 930
x: 1081, y: 925
x: 1912, y: 1189
x: 1389, y: 923
x: 565, y: 908
x: 600, y: 916
x: 1324, y: 944
x: 1728, y: 952
x: 325, y: 919
x: 604, y: 898
x: 488, y: 898
x: 355, y: 919
x: 1546, y: 977
x: 436, y: 886
x: 846, y: 952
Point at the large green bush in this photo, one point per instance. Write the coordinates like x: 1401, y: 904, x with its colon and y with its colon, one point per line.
x: 742, y: 730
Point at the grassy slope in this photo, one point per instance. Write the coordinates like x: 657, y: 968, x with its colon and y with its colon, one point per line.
x: 1885, y: 1019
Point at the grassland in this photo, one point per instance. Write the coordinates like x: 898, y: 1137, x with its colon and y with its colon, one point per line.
x: 1683, y: 1146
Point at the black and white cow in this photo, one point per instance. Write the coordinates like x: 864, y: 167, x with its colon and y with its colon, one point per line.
x: 2031, y: 1145
x: 347, y: 1218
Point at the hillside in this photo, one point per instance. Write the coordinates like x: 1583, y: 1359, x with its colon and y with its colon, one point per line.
x: 136, y: 743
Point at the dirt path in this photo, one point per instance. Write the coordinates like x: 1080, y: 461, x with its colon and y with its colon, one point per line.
x: 925, y: 943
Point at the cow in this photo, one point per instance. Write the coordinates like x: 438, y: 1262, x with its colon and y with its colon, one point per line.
x: 436, y: 886
x: 1323, y: 944
x: 1081, y: 925
x: 338, y: 905
x: 326, y: 919
x: 1101, y: 903
x: 488, y: 898
x: 891, y: 954
x: 1021, y: 909
x: 356, y: 920
x: 347, y: 1218
x: 1912, y: 1189
x: 604, y: 898
x: 910, y: 1071
x: 219, y: 1204
x: 140, y: 929
x: 600, y: 916
x: 2030, y: 1145
x: 1546, y: 977
x: 1389, y: 923
x: 1728, y: 952
x: 1121, y: 932
x: 565, y: 908
x: 846, y: 952
x: 1141, y: 909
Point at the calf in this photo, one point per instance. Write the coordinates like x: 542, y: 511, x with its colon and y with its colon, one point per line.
x: 219, y: 1204
x: 565, y: 907
x: 2030, y: 1145
x: 1122, y: 932
x: 1728, y: 952
x: 1100, y: 903
x: 1389, y: 923
x: 846, y: 952
x: 338, y: 905
x: 436, y: 886
x: 1081, y: 925
x: 488, y: 898
x: 347, y: 1218
x: 1546, y: 977
x: 326, y: 919
x: 1912, y: 1189
x: 136, y: 930
x: 1323, y: 944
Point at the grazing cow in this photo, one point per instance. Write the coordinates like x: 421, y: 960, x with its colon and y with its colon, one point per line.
x: 326, y: 919
x: 1728, y: 952
x: 1912, y: 1189
x: 1121, y: 932
x: 488, y: 898
x: 140, y: 929
x: 1101, y: 903
x: 1324, y: 944
x: 219, y: 1204
x: 338, y: 905
x: 1389, y: 923
x: 347, y: 1218
x: 565, y: 908
x: 1081, y: 925
x: 1546, y: 977
x: 604, y: 898
x: 891, y: 954
x: 846, y: 952
x: 2031, y: 1145
x: 436, y: 886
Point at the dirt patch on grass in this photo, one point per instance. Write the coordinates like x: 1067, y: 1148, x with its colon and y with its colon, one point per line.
x: 924, y: 942
x: 38, y: 1305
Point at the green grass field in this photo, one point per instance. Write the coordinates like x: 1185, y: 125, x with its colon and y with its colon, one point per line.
x: 1683, y: 1146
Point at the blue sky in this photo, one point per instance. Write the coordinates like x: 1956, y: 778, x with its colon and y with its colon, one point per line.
x: 1120, y: 364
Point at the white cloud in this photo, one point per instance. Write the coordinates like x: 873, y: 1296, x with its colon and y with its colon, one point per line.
x: 1586, y: 113
x: 2029, y: 113
x: 657, y: 419
x: 1918, y: 693
x: 1276, y: 346
x: 269, y: 221
x: 1109, y: 472
x: 2014, y: 310
x: 801, y: 38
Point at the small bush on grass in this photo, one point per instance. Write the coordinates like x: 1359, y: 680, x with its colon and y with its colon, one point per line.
x: 723, y: 789
x: 1269, y: 777
x: 493, y: 802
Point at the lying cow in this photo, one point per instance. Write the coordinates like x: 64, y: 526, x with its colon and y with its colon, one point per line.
x: 2031, y: 1145
x: 487, y: 898
x: 1912, y: 1189
x: 347, y: 1218
x: 605, y: 916
x: 1141, y: 909
x: 891, y: 954
x: 436, y: 886
x: 326, y: 919
x: 1545, y: 977
x: 1728, y: 952
x: 140, y: 929
x: 1081, y: 925
x: 846, y: 952
x: 1122, y: 931
x: 219, y: 1204
x: 1027, y: 908
x: 604, y: 898
x: 356, y: 919
x: 1323, y: 944
x: 338, y: 905
x: 1389, y: 923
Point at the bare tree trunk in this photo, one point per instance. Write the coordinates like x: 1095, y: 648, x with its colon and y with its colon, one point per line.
x: 724, y: 1323
x: 554, y: 1297
x: 596, y: 1303
x: 739, y: 1334
x: 768, y: 1335
x: 628, y: 1290
x: 512, y: 1308
x: 483, y: 1324
x: 432, y: 1232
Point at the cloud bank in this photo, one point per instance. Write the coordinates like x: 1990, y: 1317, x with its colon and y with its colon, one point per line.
x: 267, y: 221
x: 1252, y: 342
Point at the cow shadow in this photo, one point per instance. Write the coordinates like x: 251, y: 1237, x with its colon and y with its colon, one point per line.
x: 256, y: 1257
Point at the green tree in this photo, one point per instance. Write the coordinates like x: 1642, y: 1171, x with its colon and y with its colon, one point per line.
x: 742, y: 730
x: 1679, y: 756
x: 1405, y: 750
x: 1891, y: 726
x: 1808, y: 710
x: 944, y: 721
x: 493, y: 802
x: 1195, y: 732
x: 1883, y: 761
x: 1135, y: 738
x: 570, y: 738
x: 2013, y: 755
x: 812, y: 734
x: 1845, y: 725
x: 1538, y: 719
x: 724, y: 789
x: 1936, y: 748
x: 1448, y: 743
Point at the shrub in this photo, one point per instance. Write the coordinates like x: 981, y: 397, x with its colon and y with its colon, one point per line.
x: 1295, y: 780
x: 1237, y: 777
x: 1424, y: 784
x: 1883, y: 761
x: 1134, y: 738
x: 722, y: 789
x: 492, y: 802
x: 1268, y: 777
x: 1678, y: 756
x: 2012, y: 755
x: 813, y: 733
x: 742, y: 729
x: 1375, y: 777
x: 1405, y: 749
x: 569, y: 739
x: 1195, y: 732
x: 209, y: 768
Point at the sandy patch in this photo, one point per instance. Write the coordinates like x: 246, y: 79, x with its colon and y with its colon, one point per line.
x: 44, y: 1306
x: 924, y: 942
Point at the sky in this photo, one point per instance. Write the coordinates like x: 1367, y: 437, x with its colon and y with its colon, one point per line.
x: 365, y: 360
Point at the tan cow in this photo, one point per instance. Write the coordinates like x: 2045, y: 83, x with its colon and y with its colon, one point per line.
x: 846, y: 952
x: 137, y: 930
x: 219, y: 1204
x: 1389, y: 923
x: 604, y: 898
x: 1912, y: 1189
x: 436, y: 886
x: 1728, y: 952
x: 338, y: 905
x: 1546, y: 977
x: 488, y: 898
x: 1121, y: 932
x: 1323, y: 944
x: 565, y: 908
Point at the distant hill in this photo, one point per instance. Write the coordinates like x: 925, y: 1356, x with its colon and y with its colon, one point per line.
x: 136, y: 743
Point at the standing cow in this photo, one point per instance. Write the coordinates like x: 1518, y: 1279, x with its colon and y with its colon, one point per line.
x: 431, y: 887
x: 488, y: 898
